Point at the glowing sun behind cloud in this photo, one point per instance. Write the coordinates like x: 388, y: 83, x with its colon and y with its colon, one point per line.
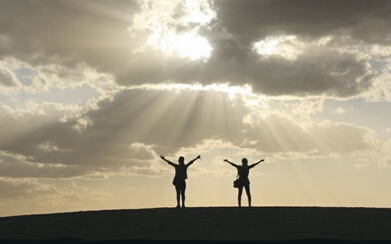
x: 188, y: 45
x: 175, y: 26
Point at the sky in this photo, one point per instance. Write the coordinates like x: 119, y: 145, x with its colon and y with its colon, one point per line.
x: 92, y: 92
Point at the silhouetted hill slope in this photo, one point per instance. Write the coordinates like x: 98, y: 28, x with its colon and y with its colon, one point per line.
x: 205, y: 223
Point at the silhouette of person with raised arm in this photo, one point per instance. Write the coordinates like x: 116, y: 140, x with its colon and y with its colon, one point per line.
x: 180, y: 177
x: 243, y: 181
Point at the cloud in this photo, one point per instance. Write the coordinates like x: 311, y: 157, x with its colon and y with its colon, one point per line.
x: 258, y: 19
x: 18, y: 166
x: 7, y: 78
x: 338, y: 111
x: 13, y: 189
x: 129, y: 130
x: 298, y: 63
x: 305, y: 50
x: 92, y: 32
x: 306, y: 106
x: 317, y: 72
x: 381, y: 88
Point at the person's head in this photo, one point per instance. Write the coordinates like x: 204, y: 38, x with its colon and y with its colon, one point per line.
x: 181, y: 160
x: 244, y: 161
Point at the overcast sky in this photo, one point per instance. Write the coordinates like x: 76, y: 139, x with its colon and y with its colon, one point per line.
x: 92, y: 92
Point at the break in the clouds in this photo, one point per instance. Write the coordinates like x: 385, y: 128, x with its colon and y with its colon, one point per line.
x: 91, y: 91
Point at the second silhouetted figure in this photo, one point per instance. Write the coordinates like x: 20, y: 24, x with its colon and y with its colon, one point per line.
x: 180, y: 177
x: 243, y: 181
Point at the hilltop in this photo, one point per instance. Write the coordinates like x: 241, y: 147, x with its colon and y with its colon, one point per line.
x: 204, y: 223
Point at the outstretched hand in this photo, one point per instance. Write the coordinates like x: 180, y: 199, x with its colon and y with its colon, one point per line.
x: 260, y: 161
x: 198, y: 157
x: 226, y: 160
x: 162, y: 157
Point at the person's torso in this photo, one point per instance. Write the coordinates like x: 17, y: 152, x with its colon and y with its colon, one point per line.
x: 243, y: 171
x: 181, y: 172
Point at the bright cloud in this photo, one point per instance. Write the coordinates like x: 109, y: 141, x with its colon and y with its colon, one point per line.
x: 175, y: 26
x: 287, y: 47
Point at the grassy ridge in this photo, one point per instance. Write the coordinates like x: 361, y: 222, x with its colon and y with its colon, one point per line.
x: 206, y: 223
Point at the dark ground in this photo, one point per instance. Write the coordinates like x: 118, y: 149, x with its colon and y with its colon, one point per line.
x: 216, y: 224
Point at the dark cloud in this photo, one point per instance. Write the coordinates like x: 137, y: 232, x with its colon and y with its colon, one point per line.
x: 253, y: 20
x: 319, y: 72
x: 71, y: 31
x: 322, y: 72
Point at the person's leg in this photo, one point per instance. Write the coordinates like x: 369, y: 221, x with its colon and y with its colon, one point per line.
x: 177, y: 189
x: 247, y: 187
x: 183, y: 194
x: 240, y: 190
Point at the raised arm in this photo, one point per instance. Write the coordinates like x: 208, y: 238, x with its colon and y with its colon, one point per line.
x: 226, y: 160
x: 192, y: 161
x: 253, y: 165
x: 169, y: 162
